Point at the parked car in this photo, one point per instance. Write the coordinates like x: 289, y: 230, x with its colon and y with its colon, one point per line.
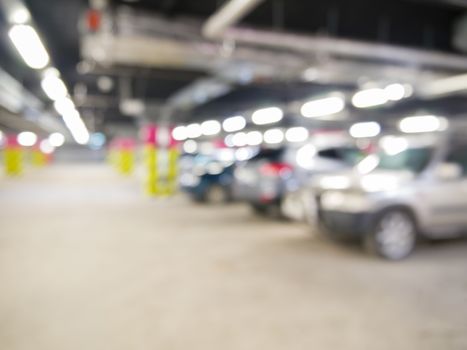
x: 297, y: 204
x: 263, y: 180
x: 207, y: 179
x: 414, y: 186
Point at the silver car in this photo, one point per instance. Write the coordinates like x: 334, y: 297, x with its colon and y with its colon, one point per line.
x: 412, y: 186
x: 263, y: 180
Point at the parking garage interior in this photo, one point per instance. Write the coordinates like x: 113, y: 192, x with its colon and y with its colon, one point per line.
x: 236, y: 174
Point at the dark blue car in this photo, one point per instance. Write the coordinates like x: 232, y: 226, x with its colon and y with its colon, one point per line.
x: 206, y: 179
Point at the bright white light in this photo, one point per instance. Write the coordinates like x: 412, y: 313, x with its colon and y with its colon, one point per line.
x: 226, y: 155
x: 20, y: 14
x: 365, y: 129
x: 46, y: 147
x: 423, y: 123
x: 274, y: 136
x: 369, y: 98
x: 310, y: 74
x: 233, y: 124
x: 27, y: 138
x: 29, y: 46
x: 305, y: 156
x: 267, y: 116
x: 53, y: 86
x: 64, y: 106
x: 194, y: 130
x: 393, y: 145
x: 1, y: 137
x: 368, y: 164
x: 323, y: 107
x: 296, y: 134
x: 190, y: 146
x: 179, y: 133
x: 56, y: 139
x: 229, y: 141
x: 239, y: 139
x: 395, y: 92
x: 254, y: 138
x: 211, y: 127
x: 76, y: 126
x: 242, y: 154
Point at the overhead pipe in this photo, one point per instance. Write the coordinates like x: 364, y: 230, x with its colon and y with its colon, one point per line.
x: 229, y: 14
x: 345, y: 48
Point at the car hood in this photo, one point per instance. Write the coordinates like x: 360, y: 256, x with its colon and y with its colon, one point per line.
x: 351, y: 179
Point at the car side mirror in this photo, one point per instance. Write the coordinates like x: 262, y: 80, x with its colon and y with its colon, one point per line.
x: 448, y: 171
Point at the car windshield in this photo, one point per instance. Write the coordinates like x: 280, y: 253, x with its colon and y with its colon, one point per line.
x: 412, y: 159
x: 272, y: 155
x: 348, y: 155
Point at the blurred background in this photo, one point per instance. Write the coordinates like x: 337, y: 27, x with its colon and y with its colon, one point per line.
x: 234, y: 174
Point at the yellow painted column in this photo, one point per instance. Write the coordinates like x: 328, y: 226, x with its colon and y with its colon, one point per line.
x: 172, y: 173
x: 152, y: 175
x: 13, y: 157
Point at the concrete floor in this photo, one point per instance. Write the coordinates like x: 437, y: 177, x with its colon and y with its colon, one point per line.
x: 87, y: 262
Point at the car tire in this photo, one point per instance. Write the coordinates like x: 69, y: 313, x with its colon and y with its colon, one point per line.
x: 393, y: 235
x: 259, y: 209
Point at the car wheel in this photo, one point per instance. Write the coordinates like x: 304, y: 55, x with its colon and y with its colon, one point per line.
x: 216, y: 194
x: 259, y: 209
x: 393, y: 236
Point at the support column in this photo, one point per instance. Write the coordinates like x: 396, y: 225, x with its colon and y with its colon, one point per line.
x: 13, y: 156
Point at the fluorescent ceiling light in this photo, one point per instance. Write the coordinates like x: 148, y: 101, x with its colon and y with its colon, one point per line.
x: 267, y: 116
x: 369, y: 98
x: 274, y: 136
x: 53, y: 86
x: 19, y: 14
x: 239, y: 139
x: 46, y: 147
x: 296, y: 134
x: 64, y: 106
x: 395, y: 92
x: 234, y: 124
x: 190, y: 146
x: 304, y: 156
x: 76, y: 126
x: 56, y: 139
x: 228, y: 140
x: 322, y: 107
x: 27, y: 138
x: 211, y: 127
x: 29, y: 46
x: 393, y: 145
x: 365, y: 129
x: 180, y: 133
x: 194, y: 130
x: 254, y: 138
x: 423, y: 123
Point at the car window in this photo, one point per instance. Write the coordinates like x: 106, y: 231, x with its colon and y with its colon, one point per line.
x: 413, y: 159
x: 273, y: 155
x: 458, y: 155
x: 348, y: 155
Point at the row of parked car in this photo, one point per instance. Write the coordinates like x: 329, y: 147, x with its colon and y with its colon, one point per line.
x: 388, y: 194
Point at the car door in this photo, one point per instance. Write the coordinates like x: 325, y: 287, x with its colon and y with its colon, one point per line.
x: 446, y: 199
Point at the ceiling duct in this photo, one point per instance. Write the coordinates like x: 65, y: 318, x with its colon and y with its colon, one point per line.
x: 232, y: 12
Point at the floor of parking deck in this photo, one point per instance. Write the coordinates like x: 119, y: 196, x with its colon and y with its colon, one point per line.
x: 88, y: 262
